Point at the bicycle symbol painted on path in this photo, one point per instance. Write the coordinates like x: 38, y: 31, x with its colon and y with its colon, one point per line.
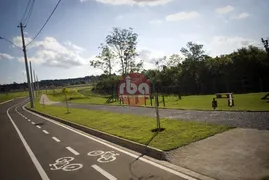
x: 105, y: 157
x: 64, y: 164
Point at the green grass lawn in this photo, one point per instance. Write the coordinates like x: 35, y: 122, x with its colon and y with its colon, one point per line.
x: 250, y: 101
x: 12, y: 95
x: 137, y: 128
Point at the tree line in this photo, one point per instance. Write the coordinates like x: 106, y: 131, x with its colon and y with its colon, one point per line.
x: 242, y: 71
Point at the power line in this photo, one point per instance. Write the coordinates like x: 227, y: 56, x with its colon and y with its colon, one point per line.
x: 30, y: 13
x: 45, y: 22
x: 10, y: 42
x: 26, y: 10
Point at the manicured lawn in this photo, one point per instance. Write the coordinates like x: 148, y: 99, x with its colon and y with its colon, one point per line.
x: 12, y: 95
x: 250, y: 101
x: 137, y: 128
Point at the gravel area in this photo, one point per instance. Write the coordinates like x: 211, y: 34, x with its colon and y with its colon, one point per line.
x: 255, y: 120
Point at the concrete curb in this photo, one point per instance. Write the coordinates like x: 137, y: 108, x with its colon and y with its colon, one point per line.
x: 145, y: 150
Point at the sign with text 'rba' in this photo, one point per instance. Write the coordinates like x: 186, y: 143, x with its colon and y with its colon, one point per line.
x: 134, y: 89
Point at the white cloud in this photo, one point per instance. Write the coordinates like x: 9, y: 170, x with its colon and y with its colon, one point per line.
x: 182, y: 16
x: 50, y: 52
x: 156, y: 21
x: 6, y: 56
x: 134, y: 2
x: 18, y: 41
x: 225, y: 44
x: 224, y: 10
x: 76, y: 48
x: 241, y: 16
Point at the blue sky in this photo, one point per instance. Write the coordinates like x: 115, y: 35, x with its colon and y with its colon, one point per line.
x: 72, y: 36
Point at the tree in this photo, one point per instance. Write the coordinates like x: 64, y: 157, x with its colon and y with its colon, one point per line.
x: 123, y: 43
x: 104, y: 60
x: 266, y: 46
x: 194, y: 52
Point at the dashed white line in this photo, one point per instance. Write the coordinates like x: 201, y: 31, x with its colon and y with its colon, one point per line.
x: 103, y: 172
x: 113, y: 147
x: 56, y: 139
x: 46, y: 132
x: 25, y: 117
x: 38, y: 126
x: 33, y: 122
x: 72, y: 151
x: 39, y: 168
x: 29, y: 120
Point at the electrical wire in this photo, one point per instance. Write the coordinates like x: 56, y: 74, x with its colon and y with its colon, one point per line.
x: 26, y: 10
x: 29, y: 13
x: 45, y: 23
x: 10, y: 42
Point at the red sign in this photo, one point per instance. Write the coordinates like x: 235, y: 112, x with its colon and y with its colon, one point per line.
x: 134, y: 84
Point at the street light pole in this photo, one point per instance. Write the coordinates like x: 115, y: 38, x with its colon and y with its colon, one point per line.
x: 26, y: 67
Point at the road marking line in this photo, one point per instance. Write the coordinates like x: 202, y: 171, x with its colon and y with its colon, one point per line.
x: 113, y: 147
x: 25, y: 117
x: 72, y: 151
x: 38, y: 127
x: 56, y: 139
x: 103, y: 172
x: 33, y: 122
x: 46, y: 132
x: 6, y: 101
x: 39, y: 168
x: 29, y: 120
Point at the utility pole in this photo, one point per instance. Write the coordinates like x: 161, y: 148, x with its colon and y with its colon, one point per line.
x: 31, y: 79
x: 37, y: 85
x: 26, y: 66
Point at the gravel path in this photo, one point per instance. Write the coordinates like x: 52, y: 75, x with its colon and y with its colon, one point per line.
x: 255, y: 120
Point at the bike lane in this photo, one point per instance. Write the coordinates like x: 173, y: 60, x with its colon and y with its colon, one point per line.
x: 114, y: 161
x: 55, y: 159
x: 15, y: 162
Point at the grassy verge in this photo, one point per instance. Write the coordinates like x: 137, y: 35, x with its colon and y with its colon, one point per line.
x: 250, y: 101
x: 137, y: 128
x: 12, y: 95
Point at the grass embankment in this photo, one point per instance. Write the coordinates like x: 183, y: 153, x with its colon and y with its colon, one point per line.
x: 12, y: 95
x: 250, y: 101
x: 137, y: 128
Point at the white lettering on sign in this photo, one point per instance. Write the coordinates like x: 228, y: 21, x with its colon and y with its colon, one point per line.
x: 64, y: 164
x: 105, y: 157
x: 132, y: 88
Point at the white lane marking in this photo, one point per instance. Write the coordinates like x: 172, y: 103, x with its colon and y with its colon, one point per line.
x: 46, y: 132
x: 33, y: 123
x: 118, y: 149
x: 25, y: 117
x: 56, y: 139
x: 7, y: 101
x: 39, y: 168
x: 72, y: 150
x: 103, y: 172
x: 38, y: 127
x: 29, y: 120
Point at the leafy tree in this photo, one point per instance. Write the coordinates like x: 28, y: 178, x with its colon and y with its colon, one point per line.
x: 104, y: 60
x: 123, y: 43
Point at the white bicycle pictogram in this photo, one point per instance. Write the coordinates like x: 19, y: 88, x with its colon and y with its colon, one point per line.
x: 64, y: 164
x: 105, y: 157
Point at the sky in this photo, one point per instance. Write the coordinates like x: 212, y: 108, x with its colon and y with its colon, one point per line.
x: 77, y: 28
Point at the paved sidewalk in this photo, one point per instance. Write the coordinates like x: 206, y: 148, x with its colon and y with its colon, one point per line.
x: 238, y: 154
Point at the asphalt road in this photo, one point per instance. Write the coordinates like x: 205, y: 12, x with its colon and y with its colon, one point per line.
x: 254, y: 120
x: 33, y: 147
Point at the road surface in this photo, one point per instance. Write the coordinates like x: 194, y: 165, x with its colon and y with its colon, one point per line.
x: 33, y: 148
